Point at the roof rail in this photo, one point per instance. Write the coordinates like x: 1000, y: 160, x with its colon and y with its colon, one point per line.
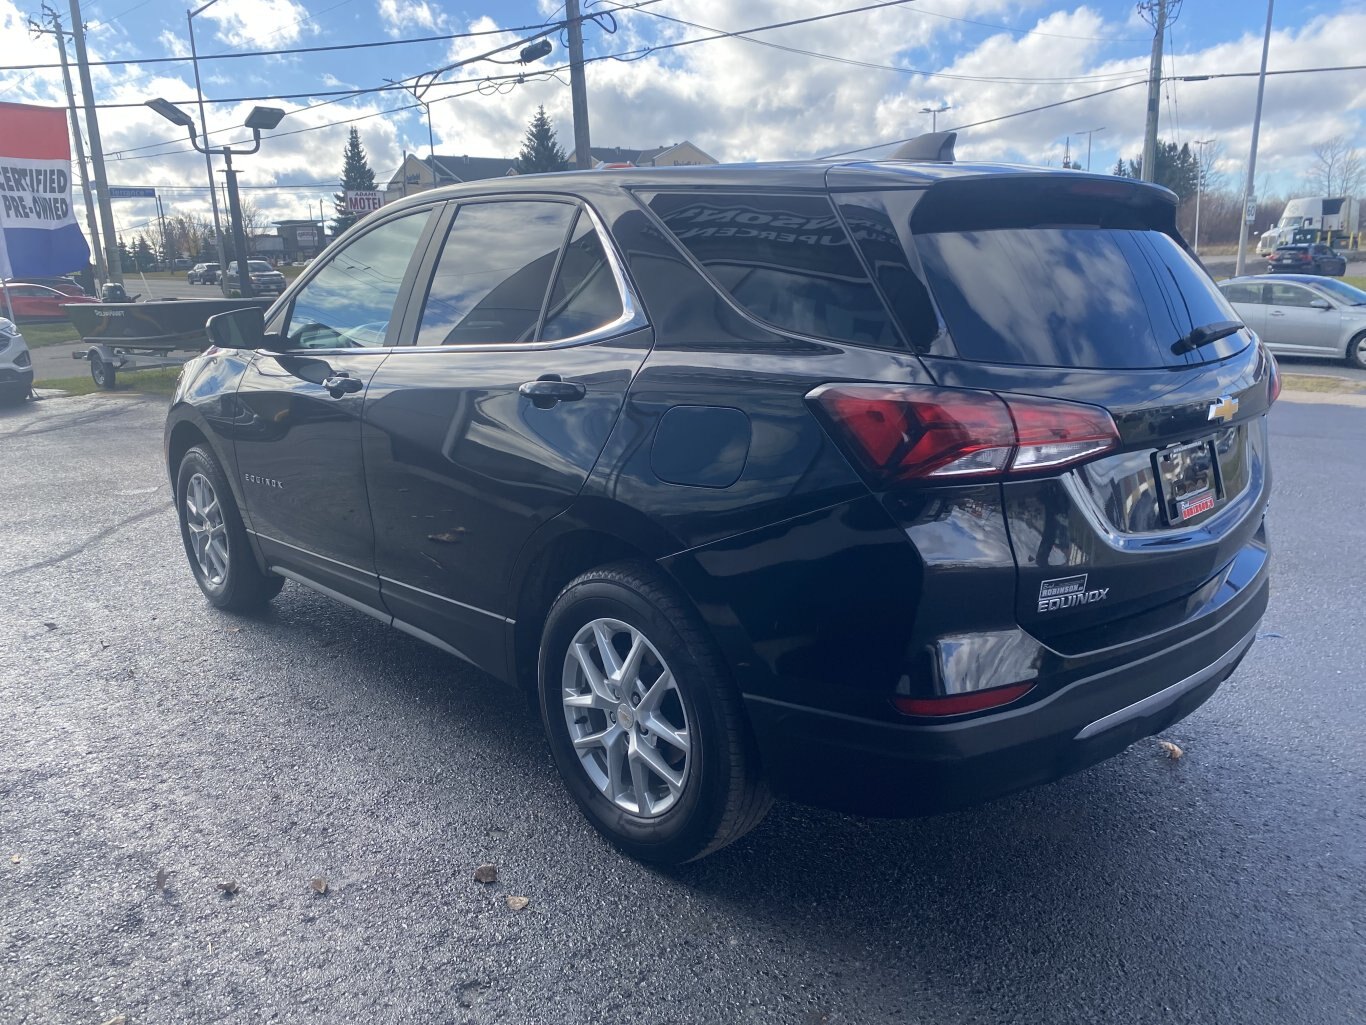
x: 936, y: 146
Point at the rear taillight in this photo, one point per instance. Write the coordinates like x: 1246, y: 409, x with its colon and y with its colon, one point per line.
x: 897, y: 433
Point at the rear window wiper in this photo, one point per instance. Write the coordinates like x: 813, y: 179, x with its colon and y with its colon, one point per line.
x: 1204, y: 335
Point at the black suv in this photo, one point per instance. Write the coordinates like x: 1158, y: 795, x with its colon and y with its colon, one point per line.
x: 1307, y: 258
x: 889, y: 486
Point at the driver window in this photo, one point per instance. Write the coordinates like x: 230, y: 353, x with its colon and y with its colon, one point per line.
x: 349, y: 302
x: 1290, y: 295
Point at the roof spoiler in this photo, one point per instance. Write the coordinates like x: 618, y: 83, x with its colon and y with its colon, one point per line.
x: 936, y: 146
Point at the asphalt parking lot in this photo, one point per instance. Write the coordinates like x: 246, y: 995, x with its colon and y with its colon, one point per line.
x: 146, y: 733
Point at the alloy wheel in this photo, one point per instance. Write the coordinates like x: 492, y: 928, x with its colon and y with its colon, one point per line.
x: 626, y: 718
x: 208, y: 532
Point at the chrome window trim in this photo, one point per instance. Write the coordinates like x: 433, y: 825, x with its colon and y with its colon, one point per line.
x: 632, y: 313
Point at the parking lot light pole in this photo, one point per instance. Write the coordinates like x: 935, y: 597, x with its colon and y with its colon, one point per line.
x: 260, y: 119
x: 208, y: 161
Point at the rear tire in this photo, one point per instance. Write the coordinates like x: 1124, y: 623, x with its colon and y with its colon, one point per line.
x: 215, y: 540
x: 1356, y: 351
x: 708, y: 790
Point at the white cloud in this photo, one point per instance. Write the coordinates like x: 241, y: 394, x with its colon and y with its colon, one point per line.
x: 403, y: 16
x: 260, y: 24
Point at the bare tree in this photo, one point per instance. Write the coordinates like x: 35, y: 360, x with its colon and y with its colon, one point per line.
x: 253, y: 221
x: 1338, y: 169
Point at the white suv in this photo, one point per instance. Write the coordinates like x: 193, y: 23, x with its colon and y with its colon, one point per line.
x: 16, y: 367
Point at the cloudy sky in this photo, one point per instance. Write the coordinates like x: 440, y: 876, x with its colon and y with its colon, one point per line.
x: 863, y: 78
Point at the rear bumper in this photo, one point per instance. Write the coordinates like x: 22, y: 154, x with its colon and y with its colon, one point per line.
x: 876, y: 767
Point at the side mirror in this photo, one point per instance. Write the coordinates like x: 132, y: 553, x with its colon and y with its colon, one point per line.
x: 1321, y: 304
x: 238, y: 329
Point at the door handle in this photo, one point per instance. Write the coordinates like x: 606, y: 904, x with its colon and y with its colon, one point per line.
x: 1277, y: 313
x: 341, y: 383
x: 548, y: 389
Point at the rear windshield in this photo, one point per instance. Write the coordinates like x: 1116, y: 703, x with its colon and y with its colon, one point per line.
x: 1072, y: 296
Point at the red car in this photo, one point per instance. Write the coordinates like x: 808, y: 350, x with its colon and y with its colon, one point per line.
x: 37, y: 302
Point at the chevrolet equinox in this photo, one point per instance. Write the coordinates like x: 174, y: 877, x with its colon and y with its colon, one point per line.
x: 886, y: 486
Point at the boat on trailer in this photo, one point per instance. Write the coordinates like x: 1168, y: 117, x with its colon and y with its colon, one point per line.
x: 145, y: 336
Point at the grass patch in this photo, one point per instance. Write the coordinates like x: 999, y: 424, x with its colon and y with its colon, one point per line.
x: 1356, y: 280
x: 53, y: 333
x: 1313, y: 382
x: 146, y: 382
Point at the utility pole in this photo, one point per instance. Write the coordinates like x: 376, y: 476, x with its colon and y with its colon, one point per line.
x: 91, y: 217
x: 578, y: 91
x: 114, y: 265
x: 1157, y: 13
x: 1199, y: 185
x: 1248, y: 197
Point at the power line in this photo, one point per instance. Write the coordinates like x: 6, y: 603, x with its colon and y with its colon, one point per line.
x: 743, y: 36
x: 992, y: 120
x: 289, y: 51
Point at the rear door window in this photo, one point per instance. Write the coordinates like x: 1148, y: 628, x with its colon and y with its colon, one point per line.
x: 491, y: 282
x: 1242, y: 293
x: 585, y: 296
x: 1072, y: 296
x: 786, y: 259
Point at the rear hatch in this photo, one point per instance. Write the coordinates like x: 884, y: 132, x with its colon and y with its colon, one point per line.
x: 1292, y: 256
x: 1079, y: 289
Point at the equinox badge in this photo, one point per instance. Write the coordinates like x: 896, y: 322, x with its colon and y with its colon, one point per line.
x: 1223, y: 408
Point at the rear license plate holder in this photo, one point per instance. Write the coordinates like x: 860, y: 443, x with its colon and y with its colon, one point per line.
x: 1188, y: 480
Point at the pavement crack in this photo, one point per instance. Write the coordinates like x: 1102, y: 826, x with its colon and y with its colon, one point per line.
x: 77, y: 549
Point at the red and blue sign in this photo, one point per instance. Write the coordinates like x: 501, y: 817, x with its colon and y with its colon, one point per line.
x: 38, y: 230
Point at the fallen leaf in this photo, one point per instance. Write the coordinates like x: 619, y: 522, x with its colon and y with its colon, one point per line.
x: 50, y: 626
x: 14, y: 859
x: 486, y: 873
x: 517, y: 903
x: 118, y: 1019
x: 234, y: 629
x: 1173, y: 752
x: 319, y: 884
x: 228, y: 888
x: 161, y: 879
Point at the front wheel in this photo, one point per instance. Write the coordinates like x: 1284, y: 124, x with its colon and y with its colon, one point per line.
x: 215, y: 539
x: 645, y: 727
x: 103, y: 374
x: 1356, y: 351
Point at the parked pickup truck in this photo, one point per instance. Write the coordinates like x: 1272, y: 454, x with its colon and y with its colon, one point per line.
x: 265, y: 279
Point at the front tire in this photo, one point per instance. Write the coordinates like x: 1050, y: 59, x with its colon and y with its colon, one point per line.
x: 215, y: 539
x: 1356, y: 351
x: 644, y: 724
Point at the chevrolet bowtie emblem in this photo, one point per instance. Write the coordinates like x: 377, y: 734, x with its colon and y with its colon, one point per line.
x: 1224, y: 408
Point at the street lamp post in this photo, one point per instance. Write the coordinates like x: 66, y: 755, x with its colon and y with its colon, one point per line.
x: 260, y: 119
x: 208, y: 161
x: 1088, y: 132
x: 1199, y: 184
x: 934, y: 113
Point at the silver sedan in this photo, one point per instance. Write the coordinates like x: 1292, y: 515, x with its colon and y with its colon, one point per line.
x: 1300, y: 315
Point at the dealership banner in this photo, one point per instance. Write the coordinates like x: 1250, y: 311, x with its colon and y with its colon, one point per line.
x: 38, y: 229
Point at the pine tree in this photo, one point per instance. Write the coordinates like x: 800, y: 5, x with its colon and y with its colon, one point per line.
x: 125, y: 257
x: 540, y: 151
x: 1121, y: 170
x: 356, y: 176
x: 1177, y: 168
x: 143, y: 255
